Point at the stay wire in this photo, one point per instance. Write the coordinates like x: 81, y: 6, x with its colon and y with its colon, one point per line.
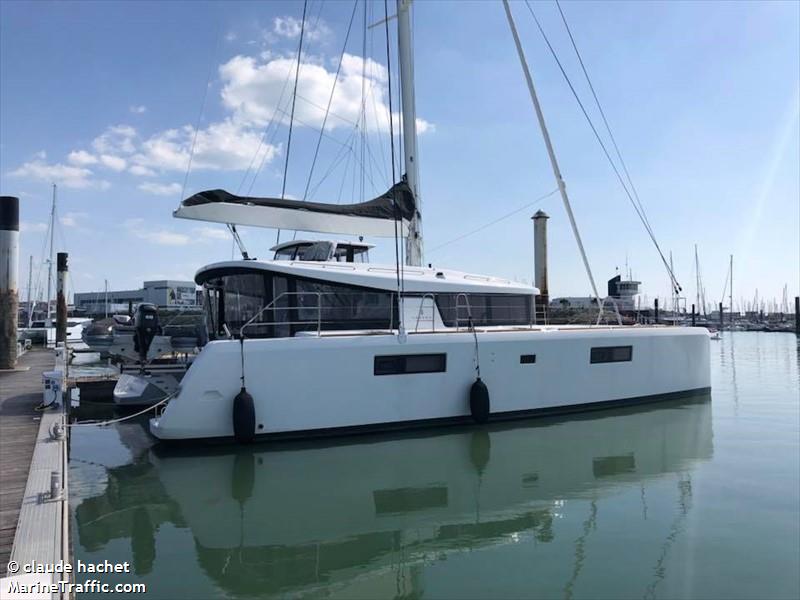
x: 673, y: 280
x: 398, y: 265
x: 487, y: 225
x: 200, y: 115
x: 602, y: 113
x: 330, y: 101
x: 294, y: 101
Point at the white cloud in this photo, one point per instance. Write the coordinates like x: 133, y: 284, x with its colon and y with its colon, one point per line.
x: 289, y: 28
x: 138, y: 109
x: 254, y: 91
x: 115, y: 163
x: 116, y: 140
x: 161, y: 189
x: 162, y: 237
x: 213, y: 233
x: 66, y: 175
x: 25, y: 226
x: 81, y: 158
x: 225, y: 145
x: 71, y: 219
x: 142, y: 171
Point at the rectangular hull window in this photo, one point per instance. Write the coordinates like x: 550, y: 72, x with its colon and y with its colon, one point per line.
x: 610, y: 354
x: 406, y: 364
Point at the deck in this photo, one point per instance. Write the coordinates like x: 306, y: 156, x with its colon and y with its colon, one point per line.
x: 20, y: 393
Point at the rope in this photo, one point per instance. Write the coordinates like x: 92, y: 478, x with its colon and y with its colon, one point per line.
x: 398, y: 264
x: 121, y: 419
x: 495, y: 222
x: 294, y: 101
x: 637, y: 209
x: 200, y: 116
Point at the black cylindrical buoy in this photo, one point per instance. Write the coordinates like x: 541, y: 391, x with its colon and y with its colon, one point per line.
x: 479, y: 401
x: 244, y: 417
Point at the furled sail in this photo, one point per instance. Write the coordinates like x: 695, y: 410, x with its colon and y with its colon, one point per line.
x: 374, y: 217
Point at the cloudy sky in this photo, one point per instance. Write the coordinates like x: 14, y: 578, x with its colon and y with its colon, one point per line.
x: 108, y: 99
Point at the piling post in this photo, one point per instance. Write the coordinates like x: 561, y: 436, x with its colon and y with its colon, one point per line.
x: 797, y: 315
x: 655, y: 311
x: 61, y: 297
x: 721, y: 322
x: 9, y: 273
x: 693, y: 316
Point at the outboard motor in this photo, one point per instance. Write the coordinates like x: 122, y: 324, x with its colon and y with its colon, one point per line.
x: 146, y: 327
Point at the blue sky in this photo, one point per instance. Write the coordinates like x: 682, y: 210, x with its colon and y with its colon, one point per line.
x: 703, y: 98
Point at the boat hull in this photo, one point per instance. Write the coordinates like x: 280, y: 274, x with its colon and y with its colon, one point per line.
x: 327, y: 385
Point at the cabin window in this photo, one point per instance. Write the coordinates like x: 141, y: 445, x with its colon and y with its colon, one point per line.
x: 285, y: 253
x: 243, y: 297
x: 610, y: 354
x: 485, y: 309
x: 342, y: 307
x: 406, y: 364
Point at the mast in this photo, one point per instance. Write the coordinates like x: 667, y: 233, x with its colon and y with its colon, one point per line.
x: 554, y: 163
x: 409, y: 111
x: 697, y: 278
x: 50, y: 261
x: 30, y: 300
x: 730, y: 297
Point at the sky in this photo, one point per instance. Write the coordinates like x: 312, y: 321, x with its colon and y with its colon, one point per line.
x: 112, y: 101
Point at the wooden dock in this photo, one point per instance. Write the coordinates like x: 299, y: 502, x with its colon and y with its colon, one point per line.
x: 20, y: 393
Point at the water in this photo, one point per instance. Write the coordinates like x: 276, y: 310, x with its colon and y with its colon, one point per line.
x: 690, y: 499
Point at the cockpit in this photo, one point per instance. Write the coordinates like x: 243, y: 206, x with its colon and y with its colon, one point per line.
x: 322, y: 251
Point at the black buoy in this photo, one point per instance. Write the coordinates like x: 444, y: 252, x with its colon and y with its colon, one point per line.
x: 244, y: 417
x: 479, y: 401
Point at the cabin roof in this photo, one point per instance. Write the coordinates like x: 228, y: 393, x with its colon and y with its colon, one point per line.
x: 383, y: 277
x: 338, y: 243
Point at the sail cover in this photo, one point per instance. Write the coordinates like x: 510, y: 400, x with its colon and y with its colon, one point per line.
x: 375, y: 217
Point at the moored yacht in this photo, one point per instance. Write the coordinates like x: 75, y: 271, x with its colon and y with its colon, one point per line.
x: 309, y: 344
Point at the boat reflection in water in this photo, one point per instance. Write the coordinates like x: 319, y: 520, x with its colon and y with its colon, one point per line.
x: 285, y: 519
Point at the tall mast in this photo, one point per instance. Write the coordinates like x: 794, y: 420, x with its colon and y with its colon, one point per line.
x: 697, y: 277
x: 731, y: 292
x: 30, y: 298
x: 50, y: 261
x: 406, y: 60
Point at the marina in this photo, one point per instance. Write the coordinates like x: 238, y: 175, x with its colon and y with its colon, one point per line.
x: 189, y: 408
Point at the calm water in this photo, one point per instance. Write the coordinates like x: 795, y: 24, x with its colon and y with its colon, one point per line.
x: 696, y: 499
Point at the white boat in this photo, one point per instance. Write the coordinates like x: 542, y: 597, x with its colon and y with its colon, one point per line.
x: 314, y: 347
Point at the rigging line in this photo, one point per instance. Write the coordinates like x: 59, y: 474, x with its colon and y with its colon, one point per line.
x: 642, y: 218
x: 200, y: 116
x: 394, y: 174
x: 602, y: 112
x: 294, y: 101
x: 263, y: 137
x: 487, y: 225
x: 340, y: 155
x: 363, y: 97
x: 330, y: 101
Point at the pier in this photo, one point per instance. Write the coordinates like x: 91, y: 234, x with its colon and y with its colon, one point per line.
x: 34, y: 507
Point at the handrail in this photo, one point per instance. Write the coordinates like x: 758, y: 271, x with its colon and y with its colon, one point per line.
x: 274, y: 300
x: 433, y: 309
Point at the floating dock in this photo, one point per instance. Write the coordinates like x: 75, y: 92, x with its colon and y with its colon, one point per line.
x: 34, y: 512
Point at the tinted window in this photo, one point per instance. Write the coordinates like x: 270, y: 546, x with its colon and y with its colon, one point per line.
x: 406, y: 364
x: 485, y: 309
x: 343, y: 307
x: 244, y: 297
x: 608, y: 354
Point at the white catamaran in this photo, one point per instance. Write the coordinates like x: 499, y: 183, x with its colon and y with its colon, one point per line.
x: 318, y: 341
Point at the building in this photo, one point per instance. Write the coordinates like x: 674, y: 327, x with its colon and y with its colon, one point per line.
x: 624, y: 293
x: 165, y: 294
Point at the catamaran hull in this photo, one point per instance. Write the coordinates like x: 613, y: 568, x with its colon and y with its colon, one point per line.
x: 328, y: 385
